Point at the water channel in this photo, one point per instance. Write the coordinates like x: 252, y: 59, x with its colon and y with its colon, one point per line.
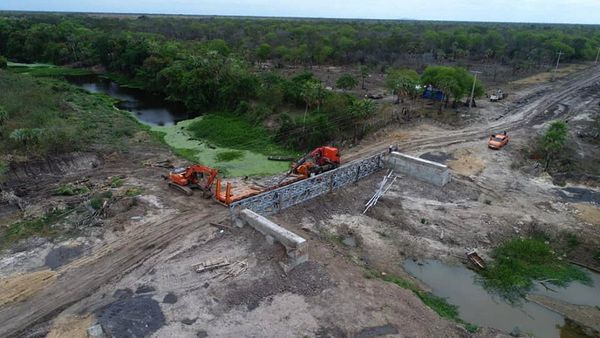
x: 147, y: 107
x: 460, y: 287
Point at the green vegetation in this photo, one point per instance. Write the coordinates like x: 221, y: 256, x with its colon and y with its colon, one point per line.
x: 48, y: 71
x: 96, y: 202
x: 402, y: 82
x: 455, y: 82
x: 41, y: 227
x: 116, y: 182
x: 228, y: 156
x: 71, y: 190
x: 553, y: 141
x: 199, y: 151
x: 44, y: 116
x: 233, y: 132
x: 438, y: 304
x: 520, y: 262
x: 347, y: 82
x: 135, y: 191
x: 3, y: 62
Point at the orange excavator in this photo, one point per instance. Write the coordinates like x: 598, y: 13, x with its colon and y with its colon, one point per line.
x: 318, y: 161
x: 193, y: 177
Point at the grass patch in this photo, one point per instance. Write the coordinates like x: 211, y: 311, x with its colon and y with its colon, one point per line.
x: 41, y: 227
x: 71, y: 190
x: 234, y: 132
x: 438, y: 304
x: 135, y: 191
x: 521, y: 262
x: 228, y: 156
x: 48, y: 116
x: 188, y: 154
x: 48, y: 70
x: 116, y: 182
x: 125, y: 81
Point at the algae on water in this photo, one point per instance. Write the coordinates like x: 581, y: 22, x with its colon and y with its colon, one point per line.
x: 247, y: 164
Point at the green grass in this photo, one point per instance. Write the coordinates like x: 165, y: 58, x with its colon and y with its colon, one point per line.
x: 234, y: 132
x: 41, y: 227
x: 71, y: 190
x: 135, y: 191
x: 41, y: 70
x: 125, y: 81
x: 69, y: 118
x: 520, y: 262
x: 228, y: 156
x: 116, y: 182
x: 438, y: 304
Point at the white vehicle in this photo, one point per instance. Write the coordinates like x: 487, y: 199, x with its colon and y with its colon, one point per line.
x: 497, y: 96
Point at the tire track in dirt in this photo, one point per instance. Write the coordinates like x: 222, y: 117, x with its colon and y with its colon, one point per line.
x: 523, y: 115
x: 82, y: 277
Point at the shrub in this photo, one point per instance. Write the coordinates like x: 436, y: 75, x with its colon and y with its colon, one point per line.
x: 520, y: 262
x: 3, y: 62
x: 71, y: 190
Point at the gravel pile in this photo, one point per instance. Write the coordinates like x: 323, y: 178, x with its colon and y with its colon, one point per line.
x: 307, y: 279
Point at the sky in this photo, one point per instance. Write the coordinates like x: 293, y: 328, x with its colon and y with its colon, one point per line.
x: 551, y: 11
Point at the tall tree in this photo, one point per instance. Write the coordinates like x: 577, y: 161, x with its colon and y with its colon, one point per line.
x: 402, y: 83
x: 364, y: 73
x: 554, y: 140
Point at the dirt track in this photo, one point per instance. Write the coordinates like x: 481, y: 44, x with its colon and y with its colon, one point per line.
x: 521, y: 112
x: 82, y: 277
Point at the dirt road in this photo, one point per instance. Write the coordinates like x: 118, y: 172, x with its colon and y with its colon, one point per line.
x: 82, y: 277
x: 524, y: 111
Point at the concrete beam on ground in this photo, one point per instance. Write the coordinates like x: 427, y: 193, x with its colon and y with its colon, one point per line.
x: 296, y: 246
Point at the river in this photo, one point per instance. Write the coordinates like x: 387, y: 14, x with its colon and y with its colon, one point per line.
x: 148, y: 108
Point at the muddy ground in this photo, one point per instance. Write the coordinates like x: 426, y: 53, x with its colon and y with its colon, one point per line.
x: 138, y: 257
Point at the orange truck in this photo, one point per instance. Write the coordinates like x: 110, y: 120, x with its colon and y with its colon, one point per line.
x: 497, y: 141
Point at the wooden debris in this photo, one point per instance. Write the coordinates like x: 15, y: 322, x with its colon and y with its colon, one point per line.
x: 211, y: 265
x: 233, y: 270
x: 475, y: 259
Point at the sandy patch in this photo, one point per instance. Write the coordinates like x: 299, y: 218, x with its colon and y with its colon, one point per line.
x: 588, y: 213
x: 70, y: 326
x: 547, y: 76
x: 466, y: 163
x: 20, y: 287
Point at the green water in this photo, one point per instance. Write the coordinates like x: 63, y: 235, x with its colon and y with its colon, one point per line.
x: 251, y: 164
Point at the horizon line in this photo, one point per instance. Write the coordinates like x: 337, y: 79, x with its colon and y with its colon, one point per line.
x: 287, y: 17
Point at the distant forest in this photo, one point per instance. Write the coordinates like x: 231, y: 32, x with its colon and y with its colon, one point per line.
x: 77, y: 38
x: 210, y: 64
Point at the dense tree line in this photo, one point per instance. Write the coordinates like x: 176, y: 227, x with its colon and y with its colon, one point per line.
x: 344, y: 41
x: 207, y: 63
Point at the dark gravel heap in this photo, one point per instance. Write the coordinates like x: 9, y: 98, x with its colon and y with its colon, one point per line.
x: 131, y: 317
x: 307, y: 279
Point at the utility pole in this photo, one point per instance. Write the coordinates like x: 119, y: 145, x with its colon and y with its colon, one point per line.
x: 597, y: 55
x: 560, y: 53
x: 473, y: 89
